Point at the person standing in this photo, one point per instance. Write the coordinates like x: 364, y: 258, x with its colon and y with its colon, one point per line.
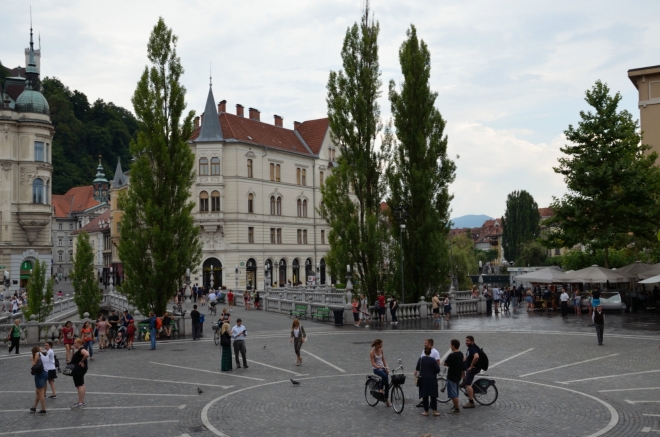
x: 194, y: 292
x: 427, y: 370
x: 529, y: 298
x: 446, y: 308
x: 364, y: 311
x: 15, y: 336
x: 126, y: 318
x: 470, y: 363
x: 130, y: 334
x: 88, y: 338
x: 496, y: 299
x: 40, y: 378
x: 230, y: 300
x: 67, y: 338
x: 381, y: 307
x: 564, y: 302
x: 394, y: 306
x: 379, y: 366
x: 298, y: 337
x: 355, y: 307
x: 428, y: 343
x: 577, y: 303
x: 152, y: 329
x: 194, y: 315
x: 113, y: 320
x: 599, y: 322
x: 454, y: 364
x: 50, y: 367
x: 225, y: 343
x: 102, y: 327
x: 435, y: 303
x: 79, y: 360
x: 239, y: 333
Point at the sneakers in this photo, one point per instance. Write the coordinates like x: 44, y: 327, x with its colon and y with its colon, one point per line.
x: 52, y: 397
x: 78, y: 405
x: 468, y: 405
x: 454, y: 411
x: 33, y: 410
x: 42, y: 411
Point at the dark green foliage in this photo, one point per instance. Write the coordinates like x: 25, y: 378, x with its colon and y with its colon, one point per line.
x: 159, y: 237
x: 577, y: 259
x: 358, y: 232
x: 4, y: 72
x: 531, y: 254
x: 83, y: 132
x: 520, y: 223
x: 83, y: 277
x: 464, y: 260
x: 613, y: 183
x: 419, y: 172
x: 39, y: 293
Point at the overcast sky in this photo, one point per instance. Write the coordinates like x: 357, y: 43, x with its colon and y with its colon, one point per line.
x: 511, y: 75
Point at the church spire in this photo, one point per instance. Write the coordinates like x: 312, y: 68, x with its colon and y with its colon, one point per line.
x: 31, y: 70
x: 210, y: 130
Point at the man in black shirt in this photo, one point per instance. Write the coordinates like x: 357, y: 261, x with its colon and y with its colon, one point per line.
x: 470, y: 364
x: 454, y: 362
x: 194, y: 315
x: 113, y: 319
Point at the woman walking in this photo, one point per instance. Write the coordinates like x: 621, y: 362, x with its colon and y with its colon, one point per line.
x: 88, y: 338
x: 427, y: 370
x: 40, y: 373
x: 246, y: 299
x: 152, y: 330
x: 67, y: 339
x: 225, y: 342
x: 364, y: 311
x: 446, y: 308
x: 79, y: 360
x: 298, y: 337
x: 380, y: 368
x: 394, y: 305
x: 15, y: 336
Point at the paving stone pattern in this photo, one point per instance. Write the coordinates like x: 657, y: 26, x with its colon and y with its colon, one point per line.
x: 144, y: 393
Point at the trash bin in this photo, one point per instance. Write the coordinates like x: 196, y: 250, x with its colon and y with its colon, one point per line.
x: 339, y: 316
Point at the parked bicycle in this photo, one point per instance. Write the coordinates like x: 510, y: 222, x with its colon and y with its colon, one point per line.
x: 485, y: 391
x: 373, y: 395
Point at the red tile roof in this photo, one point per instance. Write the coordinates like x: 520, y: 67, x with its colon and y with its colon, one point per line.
x: 313, y: 132
x: 546, y: 212
x: 77, y: 199
x: 98, y: 223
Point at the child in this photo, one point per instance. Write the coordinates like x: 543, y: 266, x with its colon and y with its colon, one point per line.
x: 230, y: 300
x: 130, y: 332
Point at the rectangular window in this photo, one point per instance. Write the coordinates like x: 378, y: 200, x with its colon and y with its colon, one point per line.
x: 250, y: 235
x: 277, y: 173
x: 60, y: 242
x: 215, y: 202
x: 249, y: 168
x: 204, y: 204
x: 60, y: 226
x: 38, y: 151
x: 298, y: 176
x: 215, y: 166
x: 118, y: 227
x: 60, y: 256
x: 70, y: 241
x: 272, y: 235
x: 272, y: 172
x: 299, y: 236
x: 304, y: 236
x: 279, y: 235
x: 47, y: 155
x: 321, y: 179
x: 71, y: 226
x: 322, y: 237
x: 303, y: 179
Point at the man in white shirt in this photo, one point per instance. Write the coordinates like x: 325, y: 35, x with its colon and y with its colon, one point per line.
x: 434, y: 354
x: 50, y: 368
x: 239, y: 333
x: 496, y: 299
x: 564, y: 303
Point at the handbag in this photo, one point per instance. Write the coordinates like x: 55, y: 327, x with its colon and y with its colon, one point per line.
x: 147, y: 336
x: 224, y: 340
x: 38, y: 367
x: 68, y: 370
x: 416, y: 381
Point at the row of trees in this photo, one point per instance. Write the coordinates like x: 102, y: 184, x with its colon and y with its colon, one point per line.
x: 411, y: 170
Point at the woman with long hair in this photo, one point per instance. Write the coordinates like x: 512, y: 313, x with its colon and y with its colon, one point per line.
x: 225, y: 342
x: 88, y: 338
x: 298, y: 337
x: 79, y: 360
x: 380, y: 367
x: 40, y: 379
x: 167, y: 325
x: 68, y: 335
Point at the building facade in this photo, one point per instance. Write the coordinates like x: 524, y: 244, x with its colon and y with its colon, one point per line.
x: 257, y: 191
x: 118, y: 186
x: 647, y: 82
x: 26, y: 136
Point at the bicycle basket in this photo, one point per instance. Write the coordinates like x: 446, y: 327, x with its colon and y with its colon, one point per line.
x: 215, y: 327
x: 398, y: 379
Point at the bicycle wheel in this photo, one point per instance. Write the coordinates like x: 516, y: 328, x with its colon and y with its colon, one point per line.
x: 487, y: 397
x: 216, y: 337
x: 442, y: 390
x: 369, y: 386
x: 397, y: 399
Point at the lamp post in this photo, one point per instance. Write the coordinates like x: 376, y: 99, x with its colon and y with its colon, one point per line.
x: 212, y: 274
x: 6, y: 282
x: 402, y: 228
x: 112, y: 280
x: 187, y: 293
x: 236, y: 274
x: 318, y: 274
x: 349, y: 276
x: 266, y: 277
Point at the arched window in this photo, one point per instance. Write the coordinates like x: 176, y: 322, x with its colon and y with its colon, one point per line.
x: 203, y: 201
x: 38, y: 191
x: 304, y: 177
x: 299, y: 204
x: 203, y: 167
x: 304, y: 208
x: 215, y: 201
x: 250, y: 203
x: 279, y: 206
x: 272, y: 205
x: 215, y: 166
x: 249, y: 168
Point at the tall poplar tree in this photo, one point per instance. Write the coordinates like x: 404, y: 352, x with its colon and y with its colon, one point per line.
x: 159, y: 238
x: 520, y: 223
x: 419, y: 172
x: 39, y: 293
x: 613, y: 197
x: 352, y: 194
x: 83, y: 277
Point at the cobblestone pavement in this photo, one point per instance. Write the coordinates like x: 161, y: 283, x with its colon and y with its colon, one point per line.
x: 553, y: 380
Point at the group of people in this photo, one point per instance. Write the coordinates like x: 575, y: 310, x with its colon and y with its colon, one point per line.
x: 362, y: 315
x: 435, y: 306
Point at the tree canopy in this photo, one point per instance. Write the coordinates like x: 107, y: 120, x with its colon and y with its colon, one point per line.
x: 520, y: 223
x: 83, y: 278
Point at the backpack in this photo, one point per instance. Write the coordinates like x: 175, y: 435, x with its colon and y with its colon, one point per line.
x: 159, y: 323
x: 482, y: 363
x: 57, y: 362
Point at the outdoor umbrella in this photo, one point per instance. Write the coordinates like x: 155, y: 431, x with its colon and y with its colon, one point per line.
x: 653, y: 271
x: 543, y: 276
x: 595, y: 275
x: 632, y: 271
x: 651, y: 280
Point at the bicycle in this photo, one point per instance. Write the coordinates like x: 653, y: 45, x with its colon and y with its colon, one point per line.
x: 484, y: 389
x: 213, y: 308
x: 216, y: 334
x: 373, y: 395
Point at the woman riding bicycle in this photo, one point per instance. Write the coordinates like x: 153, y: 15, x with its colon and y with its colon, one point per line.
x: 380, y: 367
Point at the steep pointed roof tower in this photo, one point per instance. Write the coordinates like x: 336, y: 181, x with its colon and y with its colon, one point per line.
x: 210, y: 131
x: 120, y: 179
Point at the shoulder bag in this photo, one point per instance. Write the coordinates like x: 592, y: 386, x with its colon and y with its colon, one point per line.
x: 68, y: 370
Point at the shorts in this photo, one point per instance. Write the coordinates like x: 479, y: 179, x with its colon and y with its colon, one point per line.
x: 230, y: 300
x: 496, y: 301
x: 112, y: 333
x: 452, y: 389
x: 595, y: 303
x: 381, y: 311
x: 364, y: 316
x: 529, y: 299
x: 447, y: 309
x: 40, y: 379
x: 469, y: 376
x: 79, y: 378
x: 131, y: 338
x: 103, y: 338
x: 436, y: 310
x: 52, y: 375
x: 356, y: 317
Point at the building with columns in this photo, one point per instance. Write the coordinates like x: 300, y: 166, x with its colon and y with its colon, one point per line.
x: 257, y: 191
x: 26, y: 135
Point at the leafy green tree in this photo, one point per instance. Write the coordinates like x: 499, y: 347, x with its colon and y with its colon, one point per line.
x: 159, y: 237
x: 613, y: 183
x: 531, y: 253
x: 83, y: 277
x: 464, y: 260
x: 353, y: 192
x: 39, y: 293
x: 520, y: 223
x: 419, y: 171
x: 578, y: 259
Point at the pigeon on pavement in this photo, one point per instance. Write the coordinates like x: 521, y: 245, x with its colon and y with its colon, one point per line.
x: 199, y: 391
x: 295, y: 382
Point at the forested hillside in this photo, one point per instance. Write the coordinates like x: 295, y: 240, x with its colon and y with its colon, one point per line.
x: 84, y: 131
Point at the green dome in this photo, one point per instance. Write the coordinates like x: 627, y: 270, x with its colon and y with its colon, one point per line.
x: 32, y: 101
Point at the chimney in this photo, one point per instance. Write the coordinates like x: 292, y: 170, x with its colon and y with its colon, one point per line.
x: 196, y: 122
x: 239, y: 110
x: 296, y: 124
x: 202, y: 119
x: 278, y: 120
x: 254, y: 114
x: 222, y: 106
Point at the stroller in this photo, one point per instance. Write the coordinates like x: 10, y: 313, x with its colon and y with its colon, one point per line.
x: 121, y: 338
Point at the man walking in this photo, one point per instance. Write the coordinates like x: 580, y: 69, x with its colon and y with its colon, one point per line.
x: 564, y: 302
x: 454, y: 363
x: 239, y: 333
x: 599, y: 322
x: 15, y: 336
x: 470, y: 362
x: 194, y: 316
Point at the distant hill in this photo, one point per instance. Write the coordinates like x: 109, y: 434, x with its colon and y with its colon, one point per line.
x: 469, y: 221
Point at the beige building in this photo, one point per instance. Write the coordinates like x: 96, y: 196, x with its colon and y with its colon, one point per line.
x: 647, y: 82
x: 26, y: 136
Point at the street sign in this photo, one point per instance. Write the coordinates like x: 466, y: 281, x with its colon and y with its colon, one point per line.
x: 242, y: 263
x: 2, y: 267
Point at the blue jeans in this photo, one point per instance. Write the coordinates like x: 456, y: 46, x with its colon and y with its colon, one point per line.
x: 152, y: 336
x: 88, y: 346
x: 385, y: 380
